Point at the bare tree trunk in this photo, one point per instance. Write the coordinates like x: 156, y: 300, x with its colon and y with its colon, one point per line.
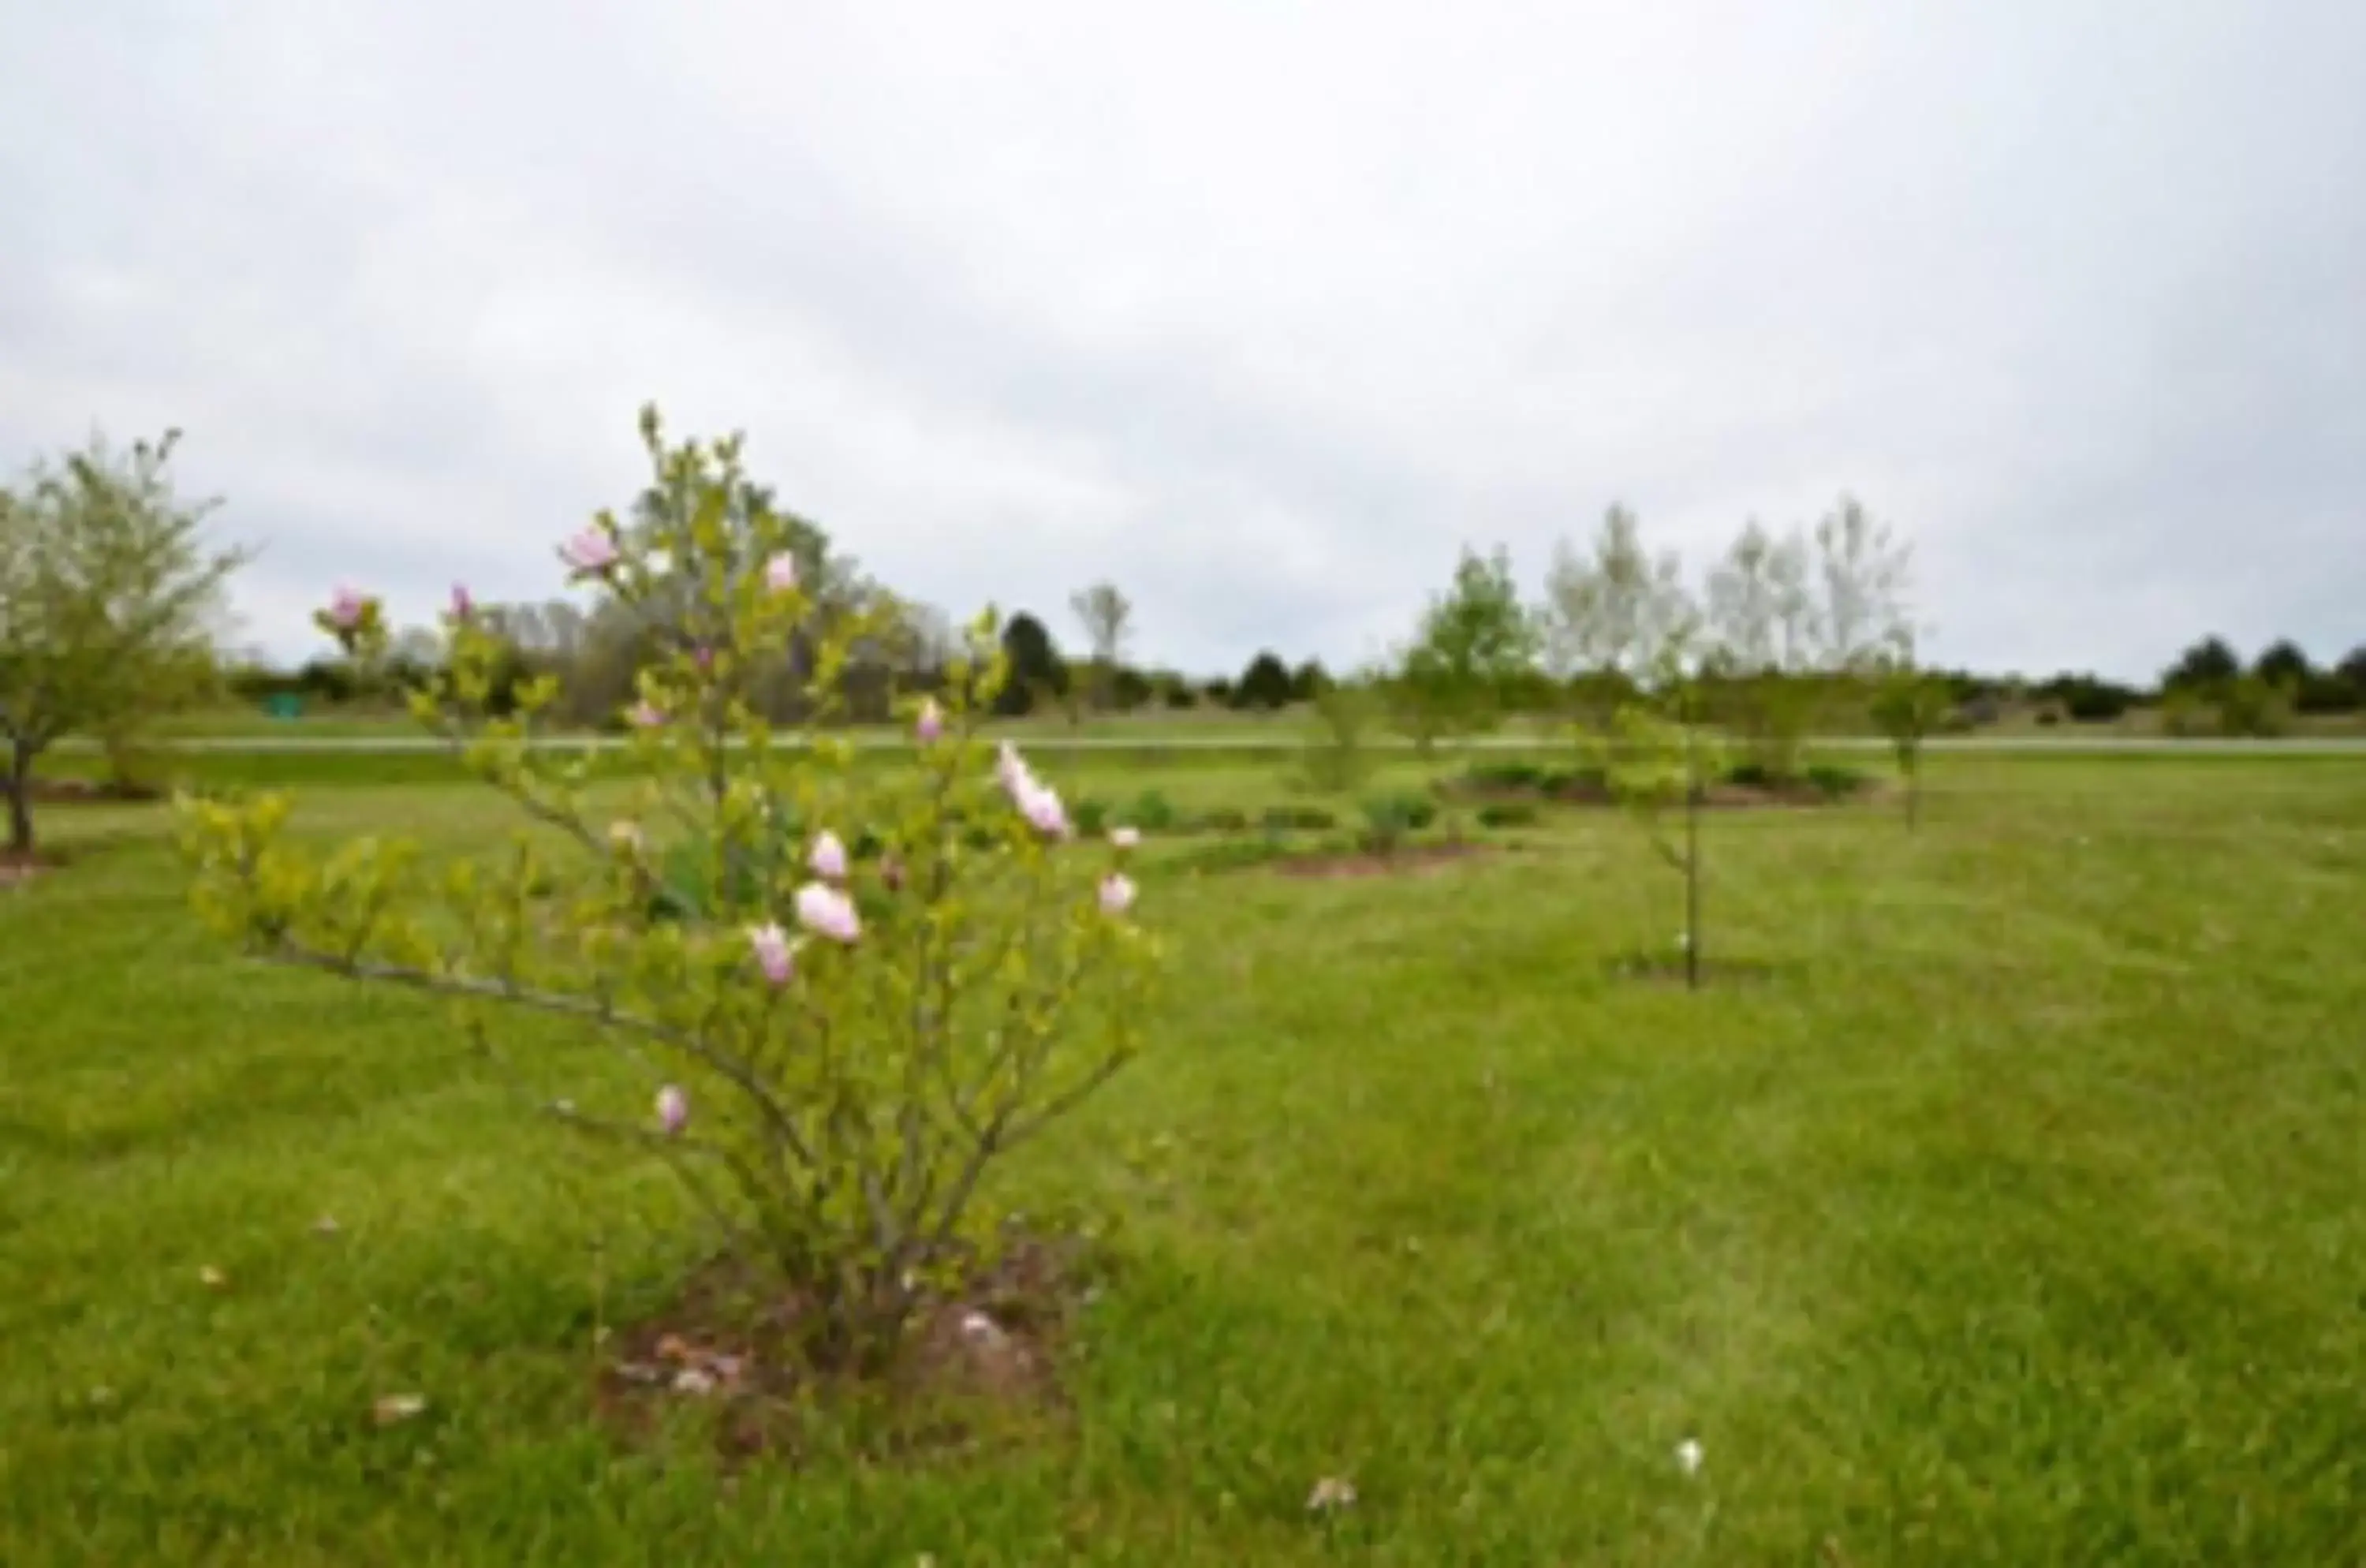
x: 1692, y: 859
x: 20, y: 800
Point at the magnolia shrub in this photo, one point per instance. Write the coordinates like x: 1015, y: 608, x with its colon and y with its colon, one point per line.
x: 850, y: 989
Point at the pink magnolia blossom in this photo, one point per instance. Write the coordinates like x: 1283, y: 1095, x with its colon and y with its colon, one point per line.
x: 347, y: 608
x: 781, y: 573
x: 930, y: 724
x: 774, y: 954
x: 704, y: 656
x: 829, y: 857
x: 673, y: 1110
x: 646, y: 715
x: 827, y: 911
x: 1036, y: 800
x: 1039, y: 804
x: 1124, y: 838
x: 589, y: 553
x: 464, y: 605
x: 1117, y: 893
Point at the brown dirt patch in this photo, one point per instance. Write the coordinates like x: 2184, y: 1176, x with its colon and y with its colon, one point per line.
x: 1413, y: 859
x: 17, y: 869
x: 1722, y: 797
x: 92, y: 792
x: 727, y: 1355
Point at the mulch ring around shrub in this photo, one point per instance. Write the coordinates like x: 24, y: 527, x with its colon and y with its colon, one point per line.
x: 18, y: 869
x: 1412, y: 860
x: 981, y: 1364
x: 1716, y: 797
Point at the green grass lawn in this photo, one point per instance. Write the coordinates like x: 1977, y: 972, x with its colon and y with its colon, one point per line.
x: 2013, y: 1215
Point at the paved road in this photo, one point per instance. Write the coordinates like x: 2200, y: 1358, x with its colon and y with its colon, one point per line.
x: 2101, y: 745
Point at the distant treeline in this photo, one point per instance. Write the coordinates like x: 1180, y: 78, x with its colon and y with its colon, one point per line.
x: 595, y: 672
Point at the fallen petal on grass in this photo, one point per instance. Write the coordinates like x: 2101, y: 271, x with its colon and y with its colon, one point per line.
x: 397, y: 1407
x: 1330, y: 1494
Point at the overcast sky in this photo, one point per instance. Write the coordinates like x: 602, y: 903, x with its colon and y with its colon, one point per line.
x: 1261, y: 308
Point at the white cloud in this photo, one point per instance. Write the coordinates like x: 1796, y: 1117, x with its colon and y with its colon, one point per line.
x: 1261, y: 310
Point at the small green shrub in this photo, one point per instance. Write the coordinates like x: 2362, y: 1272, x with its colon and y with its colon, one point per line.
x: 1390, y: 820
x: 1091, y: 816
x: 1229, y: 855
x: 1508, y: 814
x: 1297, y: 819
x: 835, y: 1053
x: 1503, y: 776
x: 1750, y: 774
x: 1832, y: 781
x: 1224, y: 819
x: 1337, y: 753
x: 2183, y: 716
x: 2252, y: 707
x: 1153, y: 813
x: 1588, y: 780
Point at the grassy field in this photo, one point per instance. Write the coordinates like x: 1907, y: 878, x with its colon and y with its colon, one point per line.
x: 2010, y: 1216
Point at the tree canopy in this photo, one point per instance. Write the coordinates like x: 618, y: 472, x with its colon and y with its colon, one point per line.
x: 111, y: 603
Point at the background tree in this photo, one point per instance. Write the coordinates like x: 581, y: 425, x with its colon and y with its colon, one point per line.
x: 1264, y: 683
x: 1762, y: 624
x: 1107, y: 615
x: 1037, y: 670
x: 111, y: 604
x: 2207, y: 664
x: 1475, y: 643
x: 2340, y: 689
x: 2352, y: 669
x: 2283, y: 663
x: 1131, y: 688
x: 1858, y: 613
x: 1608, y: 613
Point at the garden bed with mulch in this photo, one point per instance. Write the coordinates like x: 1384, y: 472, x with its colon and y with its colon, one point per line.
x: 93, y: 791
x: 1412, y: 860
x: 728, y: 1354
x: 16, y: 869
x: 1744, y: 789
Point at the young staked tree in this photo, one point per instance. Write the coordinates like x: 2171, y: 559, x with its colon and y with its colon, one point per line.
x: 1107, y: 615
x: 111, y: 604
x: 1659, y: 758
x: 1909, y: 704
